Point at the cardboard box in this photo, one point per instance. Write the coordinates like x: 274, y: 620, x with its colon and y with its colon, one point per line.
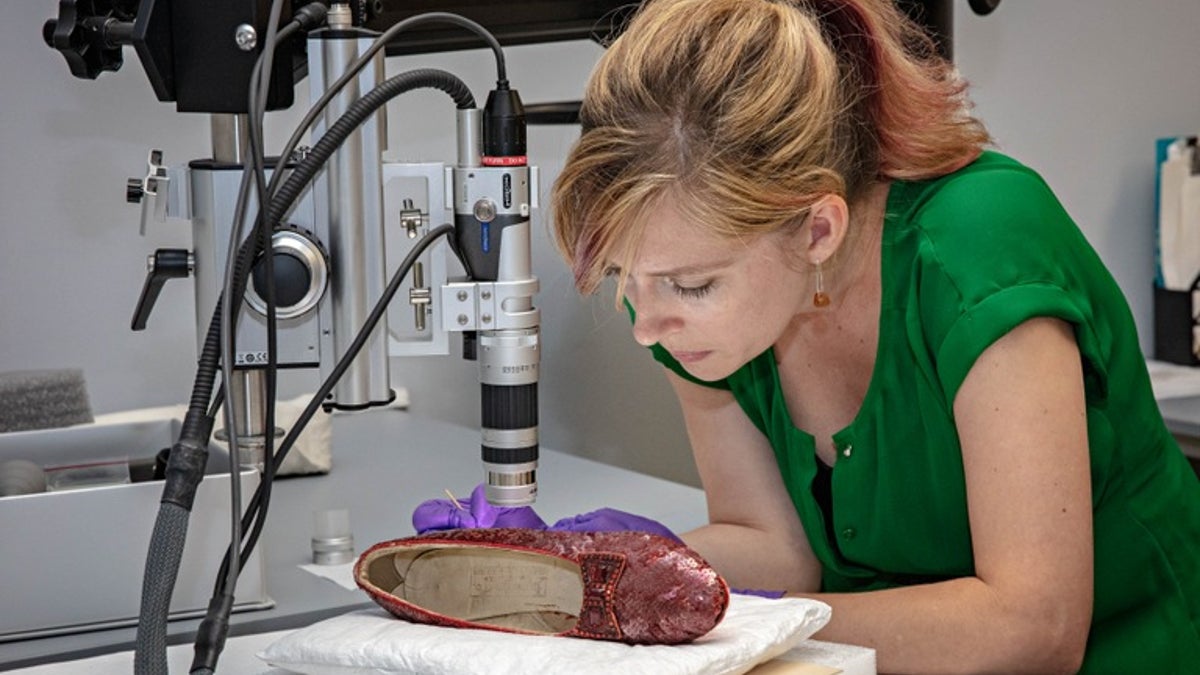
x: 73, y: 560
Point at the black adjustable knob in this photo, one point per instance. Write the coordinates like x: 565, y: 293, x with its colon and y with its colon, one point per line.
x: 166, y: 263
x: 984, y: 7
x: 90, y: 35
x: 293, y: 278
x: 301, y: 274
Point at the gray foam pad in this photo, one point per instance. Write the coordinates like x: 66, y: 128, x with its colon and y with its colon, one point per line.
x: 43, y: 399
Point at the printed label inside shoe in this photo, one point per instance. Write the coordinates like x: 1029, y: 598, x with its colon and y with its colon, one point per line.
x: 511, y: 589
x: 509, y: 581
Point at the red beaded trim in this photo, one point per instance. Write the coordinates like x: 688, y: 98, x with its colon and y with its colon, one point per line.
x: 600, y: 572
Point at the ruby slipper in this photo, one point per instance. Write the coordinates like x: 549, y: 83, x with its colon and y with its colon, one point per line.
x: 630, y: 587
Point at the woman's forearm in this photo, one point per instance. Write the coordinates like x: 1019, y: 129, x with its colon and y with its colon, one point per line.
x: 956, y: 626
x: 775, y: 565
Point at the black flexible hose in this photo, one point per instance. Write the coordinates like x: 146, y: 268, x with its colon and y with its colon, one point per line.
x: 185, y: 467
x: 162, y: 566
x: 209, y: 646
x: 286, y: 445
x: 297, y: 183
x: 355, y: 115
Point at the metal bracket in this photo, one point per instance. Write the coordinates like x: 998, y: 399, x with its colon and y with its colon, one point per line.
x: 155, y: 186
x: 486, y: 305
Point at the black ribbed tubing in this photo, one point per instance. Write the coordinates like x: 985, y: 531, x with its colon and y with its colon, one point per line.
x: 297, y: 183
x: 162, y: 566
x: 355, y: 115
x: 165, y: 552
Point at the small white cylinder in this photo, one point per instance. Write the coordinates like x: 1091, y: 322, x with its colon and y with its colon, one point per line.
x: 332, y: 540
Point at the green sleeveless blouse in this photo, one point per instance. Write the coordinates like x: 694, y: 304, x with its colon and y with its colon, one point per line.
x: 965, y: 259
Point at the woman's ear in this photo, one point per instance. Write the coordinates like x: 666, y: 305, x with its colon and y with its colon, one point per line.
x: 828, y: 221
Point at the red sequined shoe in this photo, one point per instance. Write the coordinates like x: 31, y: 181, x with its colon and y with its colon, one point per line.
x: 625, y: 586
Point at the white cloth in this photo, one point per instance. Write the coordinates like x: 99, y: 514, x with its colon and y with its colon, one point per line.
x: 811, y: 657
x: 374, y: 642
x: 815, y: 655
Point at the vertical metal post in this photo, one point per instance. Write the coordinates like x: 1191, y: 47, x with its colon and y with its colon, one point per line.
x: 349, y: 201
x: 247, y: 393
x: 230, y: 138
x: 248, y: 398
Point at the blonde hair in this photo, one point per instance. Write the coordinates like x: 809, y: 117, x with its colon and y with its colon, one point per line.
x: 746, y: 112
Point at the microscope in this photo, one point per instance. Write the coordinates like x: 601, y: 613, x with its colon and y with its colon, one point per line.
x: 295, y: 273
x: 299, y: 273
x: 330, y: 251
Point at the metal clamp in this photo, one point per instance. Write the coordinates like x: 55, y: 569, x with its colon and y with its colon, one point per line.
x: 488, y: 305
x: 154, y: 185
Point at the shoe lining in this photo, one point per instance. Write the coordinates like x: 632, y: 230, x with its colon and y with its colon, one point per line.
x: 495, y: 587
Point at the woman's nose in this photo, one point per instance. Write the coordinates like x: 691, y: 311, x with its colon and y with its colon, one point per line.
x: 651, y: 323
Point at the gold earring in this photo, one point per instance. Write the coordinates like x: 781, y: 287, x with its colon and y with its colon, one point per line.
x: 820, y: 298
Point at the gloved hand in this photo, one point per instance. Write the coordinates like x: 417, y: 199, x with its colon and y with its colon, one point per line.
x: 612, y: 520
x: 444, y: 514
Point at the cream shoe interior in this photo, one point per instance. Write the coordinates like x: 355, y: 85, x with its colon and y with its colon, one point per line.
x: 496, y: 587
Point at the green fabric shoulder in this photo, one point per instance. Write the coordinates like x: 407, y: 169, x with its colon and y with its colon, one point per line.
x: 994, y: 246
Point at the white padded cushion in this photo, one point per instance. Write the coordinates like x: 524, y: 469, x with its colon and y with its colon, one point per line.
x: 374, y: 642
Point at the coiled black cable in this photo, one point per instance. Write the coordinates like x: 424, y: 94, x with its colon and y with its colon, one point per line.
x: 185, y: 467
x: 295, y: 186
x: 211, y: 634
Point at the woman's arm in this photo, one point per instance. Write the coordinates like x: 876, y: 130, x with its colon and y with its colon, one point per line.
x: 1022, y: 424
x: 754, y: 539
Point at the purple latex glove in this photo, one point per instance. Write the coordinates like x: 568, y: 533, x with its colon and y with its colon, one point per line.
x: 774, y: 595
x: 612, y: 520
x: 444, y: 514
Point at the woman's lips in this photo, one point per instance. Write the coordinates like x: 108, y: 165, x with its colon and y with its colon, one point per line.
x: 690, y: 357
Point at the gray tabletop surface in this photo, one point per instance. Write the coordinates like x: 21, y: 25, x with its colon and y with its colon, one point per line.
x: 385, y: 463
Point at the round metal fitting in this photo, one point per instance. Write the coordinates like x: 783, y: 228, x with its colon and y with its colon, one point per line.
x: 340, y: 16
x: 309, y: 253
x: 246, y: 37
x: 332, y: 550
x: 484, y: 210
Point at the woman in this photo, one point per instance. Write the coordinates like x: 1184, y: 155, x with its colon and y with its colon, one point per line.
x: 911, y: 387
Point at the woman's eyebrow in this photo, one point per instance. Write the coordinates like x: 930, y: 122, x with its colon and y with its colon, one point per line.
x: 683, y: 270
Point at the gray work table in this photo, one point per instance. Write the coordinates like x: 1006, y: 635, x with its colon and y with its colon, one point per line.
x: 385, y: 463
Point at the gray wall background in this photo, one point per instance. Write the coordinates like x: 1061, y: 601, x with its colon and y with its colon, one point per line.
x: 1079, y: 90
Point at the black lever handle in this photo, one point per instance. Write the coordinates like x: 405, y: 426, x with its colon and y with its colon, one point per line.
x: 166, y: 263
